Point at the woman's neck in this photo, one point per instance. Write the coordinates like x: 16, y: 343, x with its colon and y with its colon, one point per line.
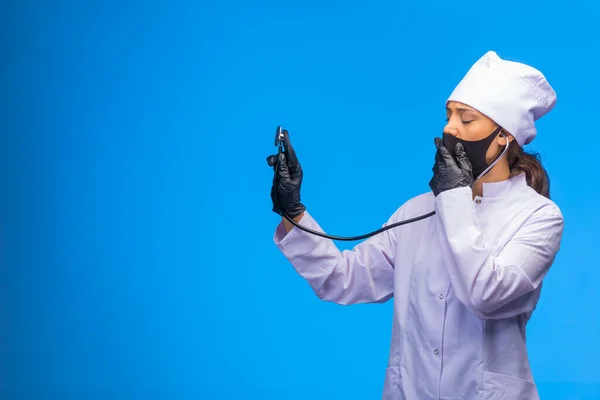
x: 500, y: 172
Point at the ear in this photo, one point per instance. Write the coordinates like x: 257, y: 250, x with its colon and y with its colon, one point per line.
x: 504, y: 137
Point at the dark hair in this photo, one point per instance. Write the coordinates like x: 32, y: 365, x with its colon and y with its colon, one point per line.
x: 520, y: 161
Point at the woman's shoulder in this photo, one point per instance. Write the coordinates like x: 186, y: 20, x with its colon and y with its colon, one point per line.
x: 542, y: 204
x: 418, y: 205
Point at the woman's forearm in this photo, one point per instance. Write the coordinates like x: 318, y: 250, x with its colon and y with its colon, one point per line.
x: 288, y: 225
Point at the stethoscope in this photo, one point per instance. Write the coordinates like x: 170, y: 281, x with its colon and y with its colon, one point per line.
x: 279, y: 145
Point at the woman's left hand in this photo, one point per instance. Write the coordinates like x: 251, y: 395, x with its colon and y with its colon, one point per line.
x: 449, y: 173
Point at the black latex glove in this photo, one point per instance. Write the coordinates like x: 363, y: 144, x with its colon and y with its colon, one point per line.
x: 285, y: 192
x: 449, y: 173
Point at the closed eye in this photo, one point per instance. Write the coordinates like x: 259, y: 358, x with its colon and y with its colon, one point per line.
x: 464, y: 122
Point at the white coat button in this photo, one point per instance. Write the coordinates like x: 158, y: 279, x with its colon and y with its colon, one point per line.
x: 441, y: 296
x: 436, y: 352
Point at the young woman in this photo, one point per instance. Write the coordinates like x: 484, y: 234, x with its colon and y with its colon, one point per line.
x: 466, y: 280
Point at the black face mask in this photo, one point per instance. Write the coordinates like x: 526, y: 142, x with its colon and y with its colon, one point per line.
x: 476, y: 150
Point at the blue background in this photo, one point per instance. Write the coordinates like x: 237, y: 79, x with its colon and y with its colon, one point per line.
x: 136, y: 257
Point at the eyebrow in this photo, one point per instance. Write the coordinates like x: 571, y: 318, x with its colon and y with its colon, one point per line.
x: 460, y: 109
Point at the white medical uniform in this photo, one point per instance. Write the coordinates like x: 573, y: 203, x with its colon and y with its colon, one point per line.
x: 464, y: 284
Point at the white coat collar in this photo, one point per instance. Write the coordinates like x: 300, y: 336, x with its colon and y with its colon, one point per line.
x: 497, y: 189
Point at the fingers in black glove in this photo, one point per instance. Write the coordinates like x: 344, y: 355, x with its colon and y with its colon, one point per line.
x: 462, y: 159
x: 449, y: 173
x: 272, y: 160
x: 287, y: 180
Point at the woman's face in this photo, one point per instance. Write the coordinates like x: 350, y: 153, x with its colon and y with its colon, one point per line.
x: 469, y: 124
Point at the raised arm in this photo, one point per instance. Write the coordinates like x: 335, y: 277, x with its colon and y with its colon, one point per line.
x: 364, y: 274
x: 496, y: 282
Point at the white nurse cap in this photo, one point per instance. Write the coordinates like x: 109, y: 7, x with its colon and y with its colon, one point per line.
x: 512, y: 94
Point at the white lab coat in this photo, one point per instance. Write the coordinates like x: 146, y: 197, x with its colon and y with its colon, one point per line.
x: 464, y: 284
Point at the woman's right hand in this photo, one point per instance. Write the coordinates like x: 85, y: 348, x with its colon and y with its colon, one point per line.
x: 287, y: 180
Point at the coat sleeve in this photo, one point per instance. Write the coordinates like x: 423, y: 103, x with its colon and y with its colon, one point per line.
x: 364, y: 274
x: 496, y: 284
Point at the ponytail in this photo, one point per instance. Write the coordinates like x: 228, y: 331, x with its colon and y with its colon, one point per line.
x: 537, y: 177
